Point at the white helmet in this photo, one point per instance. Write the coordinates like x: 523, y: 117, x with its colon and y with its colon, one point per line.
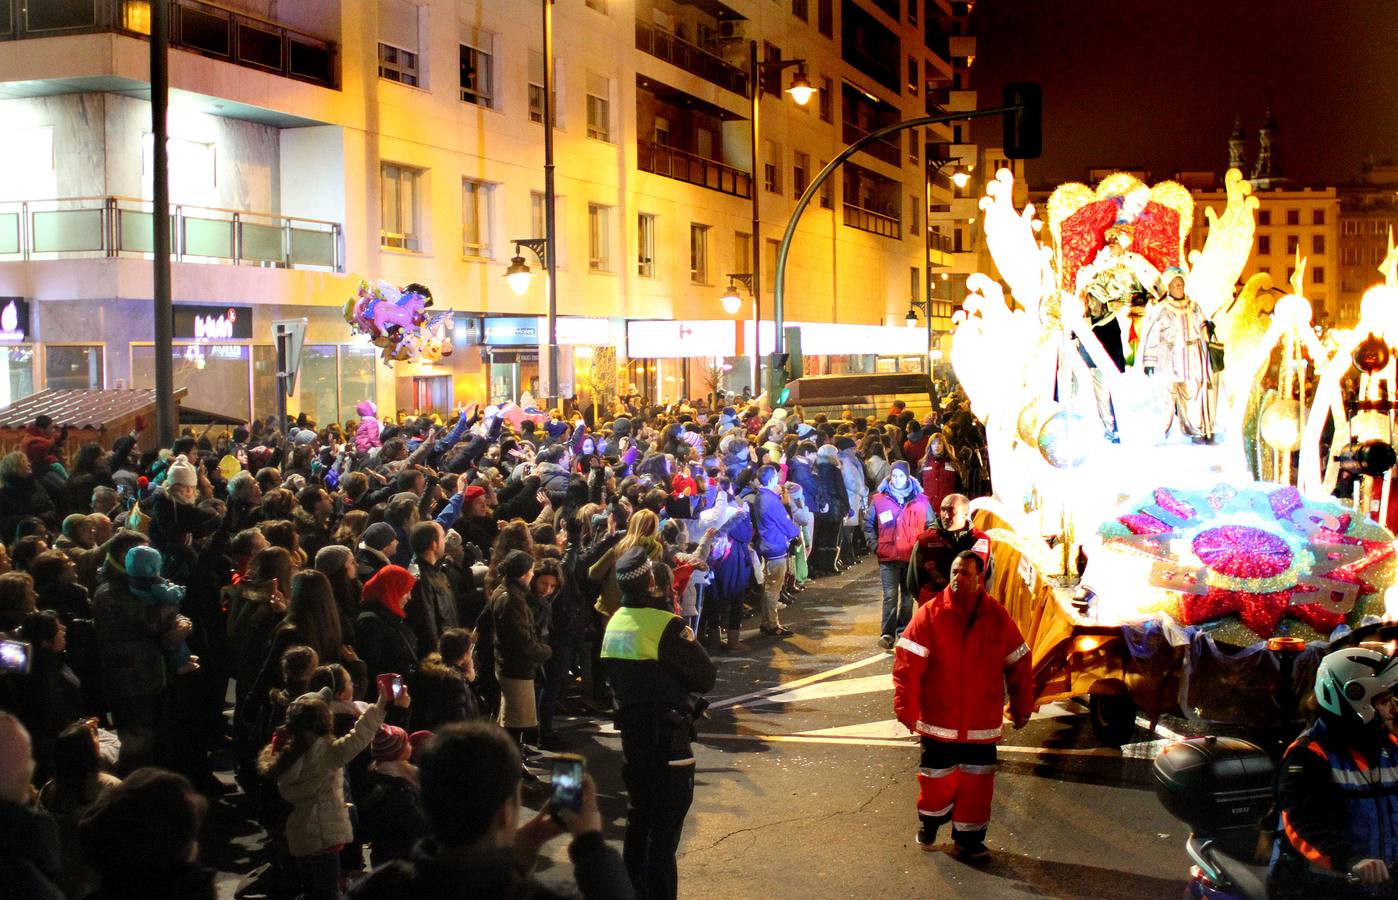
x: 1348, y: 680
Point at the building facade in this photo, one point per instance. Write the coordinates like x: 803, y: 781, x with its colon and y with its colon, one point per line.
x: 319, y: 142
x: 1368, y: 224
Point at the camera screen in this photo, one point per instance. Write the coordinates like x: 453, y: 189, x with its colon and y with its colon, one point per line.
x: 567, y: 784
x: 14, y: 656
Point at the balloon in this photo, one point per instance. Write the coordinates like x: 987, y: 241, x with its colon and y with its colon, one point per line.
x: 1064, y: 439
x: 1280, y: 424
x: 396, y: 321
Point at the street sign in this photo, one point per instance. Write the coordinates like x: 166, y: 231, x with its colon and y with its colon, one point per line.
x: 289, y: 335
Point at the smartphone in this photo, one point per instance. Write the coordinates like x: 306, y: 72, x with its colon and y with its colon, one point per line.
x: 391, y: 685
x: 568, y: 771
x: 14, y: 657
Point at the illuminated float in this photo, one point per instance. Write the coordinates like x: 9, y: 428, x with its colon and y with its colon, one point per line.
x: 1185, y: 471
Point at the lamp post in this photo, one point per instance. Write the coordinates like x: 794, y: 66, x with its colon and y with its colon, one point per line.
x: 732, y: 301
x: 801, y: 91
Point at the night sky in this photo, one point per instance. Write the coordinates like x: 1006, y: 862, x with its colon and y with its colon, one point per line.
x: 1155, y: 85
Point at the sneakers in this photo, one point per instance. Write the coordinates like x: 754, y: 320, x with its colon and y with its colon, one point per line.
x: 886, y: 642
x: 777, y: 631
x: 976, y: 852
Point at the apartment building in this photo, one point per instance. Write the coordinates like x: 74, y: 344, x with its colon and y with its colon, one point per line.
x: 319, y: 142
x: 1368, y: 222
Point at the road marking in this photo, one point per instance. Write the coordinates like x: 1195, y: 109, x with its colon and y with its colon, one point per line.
x: 1142, y: 750
x: 867, y: 684
x: 799, y: 682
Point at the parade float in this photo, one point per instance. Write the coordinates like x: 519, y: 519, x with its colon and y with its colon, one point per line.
x: 1189, y: 484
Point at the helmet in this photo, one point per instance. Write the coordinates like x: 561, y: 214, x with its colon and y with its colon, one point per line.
x: 1348, y: 680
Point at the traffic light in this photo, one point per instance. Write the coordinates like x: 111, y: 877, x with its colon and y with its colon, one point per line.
x: 1023, y: 136
x: 778, y: 374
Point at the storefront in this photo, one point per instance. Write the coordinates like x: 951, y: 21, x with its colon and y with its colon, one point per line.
x: 31, y: 366
x: 668, y: 360
x: 513, y: 347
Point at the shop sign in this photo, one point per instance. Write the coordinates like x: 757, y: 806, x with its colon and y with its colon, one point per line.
x: 213, y: 323
x: 14, y: 319
x: 680, y: 338
x: 532, y: 331
x: 511, y: 331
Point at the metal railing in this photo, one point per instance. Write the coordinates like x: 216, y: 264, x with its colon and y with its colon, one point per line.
x: 886, y: 150
x: 682, y: 166
x: 693, y: 59
x: 873, y: 222
x: 89, y: 227
x: 196, y: 26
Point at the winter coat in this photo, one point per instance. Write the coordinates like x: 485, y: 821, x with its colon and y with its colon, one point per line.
x: 732, y: 568
x: 385, y: 641
x: 390, y: 818
x: 856, y: 488
x: 251, y: 621
x: 367, y: 561
x: 893, y: 527
x: 803, y: 473
x: 518, y: 650
x: 830, y: 501
x: 131, y: 639
x: 929, y: 566
x: 29, y: 855
x: 951, y: 668
x: 875, y: 470
x: 366, y: 436
x: 21, y: 498
x: 553, y: 478
x: 314, y: 785
x: 314, y: 533
x: 440, y: 696
x: 939, y: 478
x: 430, y: 608
x: 775, y: 530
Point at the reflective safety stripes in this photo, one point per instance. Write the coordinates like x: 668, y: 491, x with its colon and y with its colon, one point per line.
x: 970, y: 826
x: 1314, y: 856
x: 1016, y: 654
x: 912, y: 647
x: 935, y: 814
x: 978, y: 770
x: 1386, y: 776
x: 951, y: 734
x: 682, y: 762
x: 937, y: 773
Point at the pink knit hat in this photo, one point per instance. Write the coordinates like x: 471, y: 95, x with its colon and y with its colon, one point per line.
x: 390, y: 743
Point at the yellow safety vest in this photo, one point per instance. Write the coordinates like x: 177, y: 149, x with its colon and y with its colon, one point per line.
x: 634, y: 633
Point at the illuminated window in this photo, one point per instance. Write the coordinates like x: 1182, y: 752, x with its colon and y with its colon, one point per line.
x: 397, y: 64
x: 476, y: 219
x: 645, y: 245
x: 698, y: 253
x: 400, y: 200
x: 476, y: 79
x: 599, y: 238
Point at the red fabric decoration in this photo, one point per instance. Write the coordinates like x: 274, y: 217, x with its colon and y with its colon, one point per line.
x: 1081, y: 236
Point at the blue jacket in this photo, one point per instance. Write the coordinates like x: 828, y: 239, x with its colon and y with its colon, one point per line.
x: 803, y: 473
x: 775, y: 530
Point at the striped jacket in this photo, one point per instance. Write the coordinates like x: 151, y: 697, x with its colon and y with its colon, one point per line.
x: 951, y: 667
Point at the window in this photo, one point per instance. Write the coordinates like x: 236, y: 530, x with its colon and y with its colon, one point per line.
x: 476, y: 80
x: 1349, y: 256
x: 476, y: 219
x: 825, y: 17
x: 801, y: 9
x: 397, y: 64
x: 772, y: 166
x: 914, y: 218
x: 1349, y: 227
x: 1293, y: 217
x: 73, y: 366
x: 645, y: 245
x: 1264, y: 245
x: 800, y: 172
x: 1290, y: 273
x: 400, y: 189
x: 1377, y: 226
x: 915, y: 283
x: 698, y: 253
x: 599, y: 238
x: 1318, y: 275
x: 742, y: 252
x: 1264, y: 217
x: 599, y: 108
x: 1317, y: 217
x: 914, y: 138
x: 912, y: 75
x: 1317, y: 243
x: 827, y: 189
x: 1265, y: 270
x: 537, y: 224
x: 536, y: 88
x: 1293, y: 243
x: 771, y: 79
x: 827, y: 99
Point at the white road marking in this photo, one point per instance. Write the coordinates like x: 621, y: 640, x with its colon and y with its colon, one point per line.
x: 867, y: 684
x: 800, y: 682
x: 1142, y: 750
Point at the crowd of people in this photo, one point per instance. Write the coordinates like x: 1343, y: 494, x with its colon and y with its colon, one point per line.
x: 373, y: 625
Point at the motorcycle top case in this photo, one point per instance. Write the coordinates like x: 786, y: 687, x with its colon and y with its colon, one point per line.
x: 1215, y: 784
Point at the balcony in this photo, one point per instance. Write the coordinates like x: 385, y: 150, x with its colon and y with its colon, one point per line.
x: 674, y: 163
x: 86, y: 227
x: 884, y: 149
x: 195, y: 26
x: 873, y: 222
x: 693, y: 59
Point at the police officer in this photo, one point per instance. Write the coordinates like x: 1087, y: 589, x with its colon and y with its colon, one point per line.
x: 657, y: 672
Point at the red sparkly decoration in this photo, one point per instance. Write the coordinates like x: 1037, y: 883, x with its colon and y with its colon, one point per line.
x: 1173, y: 505
x: 1144, y: 523
x: 1285, y: 502
x: 1156, y: 235
x: 1242, y: 551
x: 1081, y: 236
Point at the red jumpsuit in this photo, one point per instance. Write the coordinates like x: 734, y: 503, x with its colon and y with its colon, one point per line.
x: 950, y: 670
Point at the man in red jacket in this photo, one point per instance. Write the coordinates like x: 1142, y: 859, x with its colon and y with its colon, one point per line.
x: 950, y: 670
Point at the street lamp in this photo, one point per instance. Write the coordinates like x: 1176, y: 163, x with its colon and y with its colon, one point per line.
x: 732, y: 301
x: 518, y: 274
x: 801, y: 91
x: 960, y: 177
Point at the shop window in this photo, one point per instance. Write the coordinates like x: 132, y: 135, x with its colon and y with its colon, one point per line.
x: 357, y: 368
x: 73, y: 366
x: 316, y: 384
x: 18, y: 382
x: 216, y: 375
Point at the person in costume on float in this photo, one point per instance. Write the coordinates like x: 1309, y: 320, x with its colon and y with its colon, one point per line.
x: 1117, y: 279
x: 1174, y: 348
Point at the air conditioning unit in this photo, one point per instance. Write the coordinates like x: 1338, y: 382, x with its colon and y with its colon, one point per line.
x: 732, y: 29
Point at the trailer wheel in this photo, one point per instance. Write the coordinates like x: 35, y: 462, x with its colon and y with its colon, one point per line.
x: 1113, y: 718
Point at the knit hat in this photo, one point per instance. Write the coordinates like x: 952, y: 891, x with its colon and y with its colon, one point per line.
x: 390, y: 743
x: 418, y: 740
x: 515, y: 564
x: 181, y: 472
x: 332, y: 558
x: 378, y: 536
x: 389, y: 588
x: 844, y: 443
x: 899, y: 465
x: 804, y: 430
x: 634, y: 563
x: 143, y: 562
x: 472, y: 492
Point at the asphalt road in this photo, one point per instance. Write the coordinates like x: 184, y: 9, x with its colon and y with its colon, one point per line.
x: 806, y: 786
